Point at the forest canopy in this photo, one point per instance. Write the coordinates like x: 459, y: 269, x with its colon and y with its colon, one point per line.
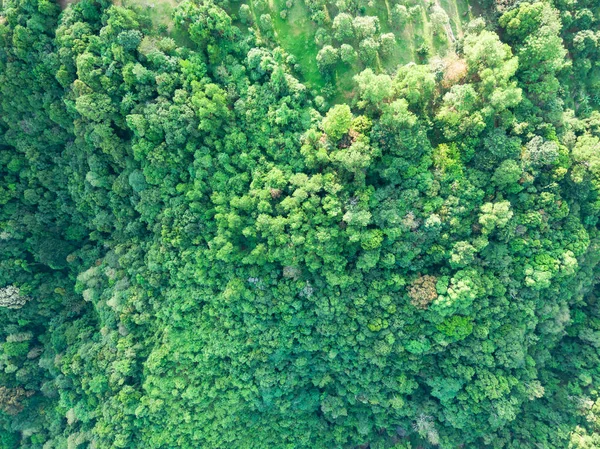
x: 313, y: 224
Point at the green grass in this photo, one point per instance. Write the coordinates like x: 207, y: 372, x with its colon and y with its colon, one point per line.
x: 296, y: 35
x: 159, y: 11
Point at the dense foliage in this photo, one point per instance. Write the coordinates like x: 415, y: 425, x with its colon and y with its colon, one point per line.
x: 198, y: 251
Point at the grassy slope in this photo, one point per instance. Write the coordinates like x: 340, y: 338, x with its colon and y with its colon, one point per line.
x: 296, y: 35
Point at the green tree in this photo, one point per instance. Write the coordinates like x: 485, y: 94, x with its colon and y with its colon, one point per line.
x: 337, y: 121
x: 327, y: 58
x: 373, y: 88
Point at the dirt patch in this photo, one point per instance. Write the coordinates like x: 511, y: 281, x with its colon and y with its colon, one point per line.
x: 456, y: 70
x: 64, y: 3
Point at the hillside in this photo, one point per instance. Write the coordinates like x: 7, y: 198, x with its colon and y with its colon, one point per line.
x: 321, y: 225
x: 381, y: 34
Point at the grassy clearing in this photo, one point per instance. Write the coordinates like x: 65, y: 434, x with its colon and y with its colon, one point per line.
x: 296, y: 35
x: 160, y: 13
